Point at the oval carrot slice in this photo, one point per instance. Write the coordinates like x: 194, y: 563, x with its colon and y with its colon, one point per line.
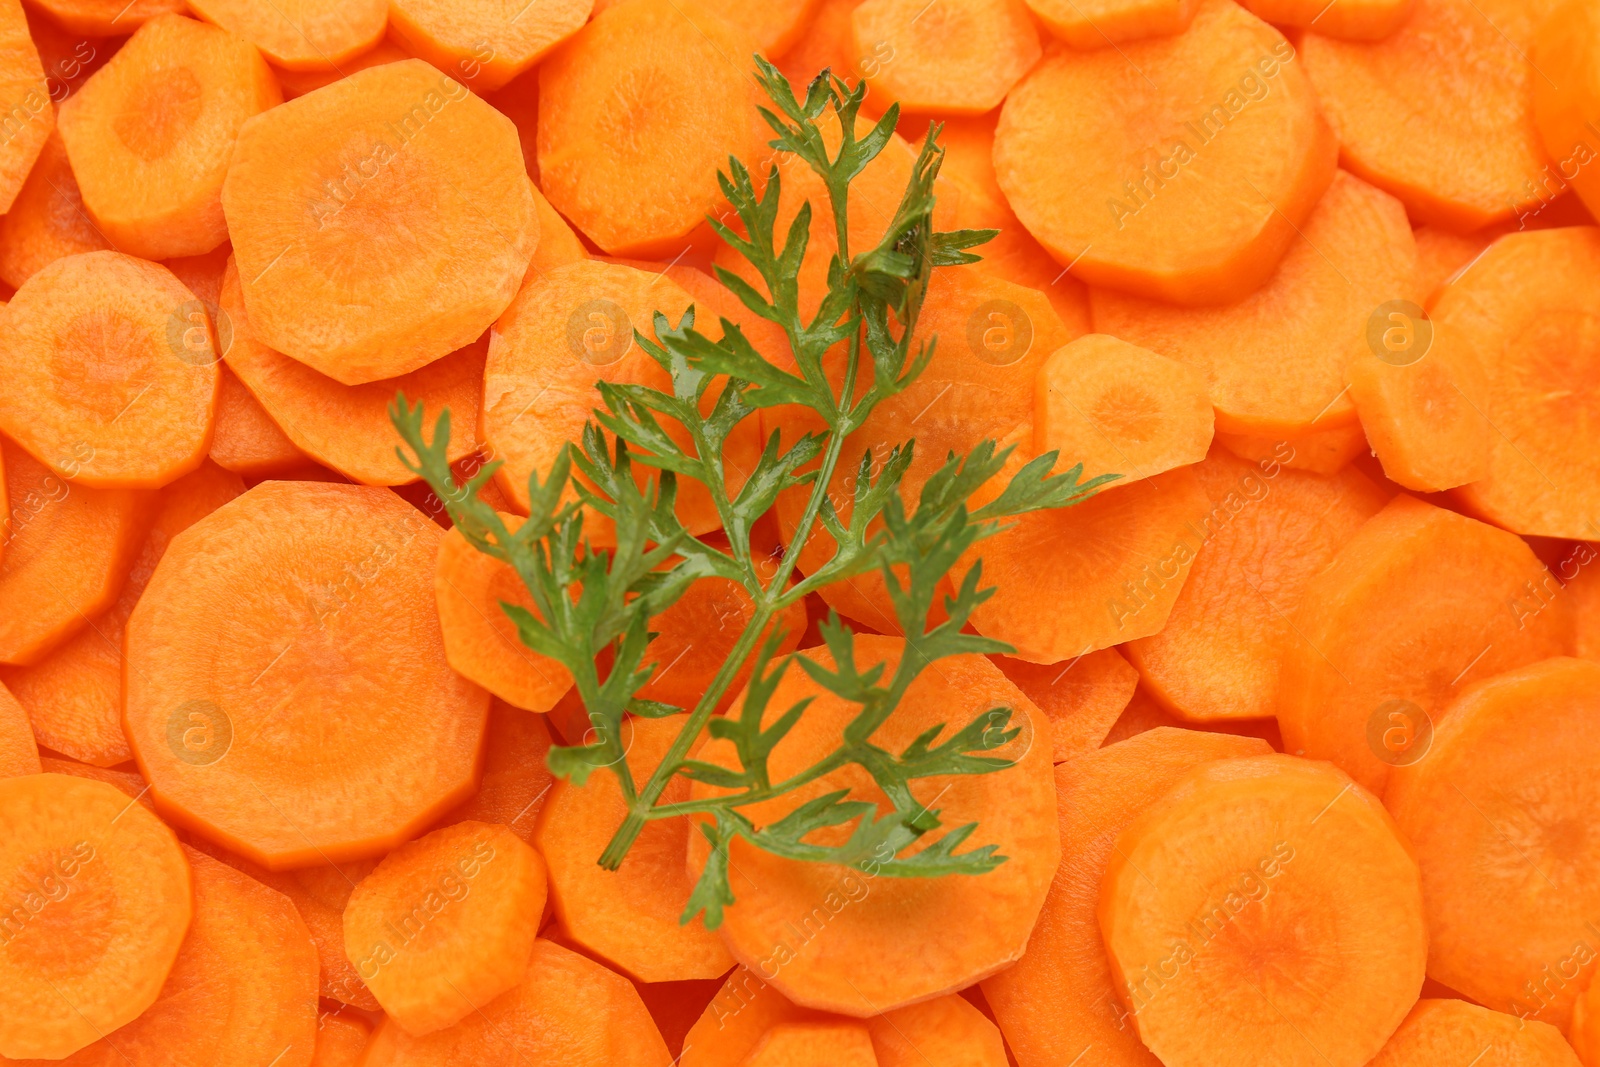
x: 1566, y: 102
x: 239, y: 694
x: 1082, y: 697
x: 1416, y: 602
x: 516, y: 782
x: 484, y: 41
x: 831, y: 1043
x: 1511, y: 762
x: 47, y: 220
x: 301, y: 34
x: 296, y: 83
x: 1442, y: 1031
x: 1319, y: 450
x: 841, y: 956
x: 1266, y: 536
x: 1361, y: 20
x: 1424, y: 419
x: 1172, y: 207
x: 1248, y: 876
x: 19, y: 754
x: 96, y: 905
x: 1059, y: 999
x: 245, y: 440
x: 108, y: 384
x: 956, y: 57
x: 379, y: 223
x: 30, y: 118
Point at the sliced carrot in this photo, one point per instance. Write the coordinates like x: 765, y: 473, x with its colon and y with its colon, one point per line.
x: 107, y: 18
x: 1177, y: 168
x: 297, y: 83
x: 128, y: 783
x: 1583, y: 1033
x: 29, y: 118
x: 1143, y: 714
x: 833, y: 1043
x: 558, y: 244
x: 1347, y: 20
x: 379, y: 223
x: 1566, y: 99
x: 949, y: 1026
x: 774, y: 27
x: 1583, y: 590
x: 1059, y: 1001
x: 301, y: 34
x: 341, y: 1039
x: 1274, y: 361
x: 518, y: 100
x: 1081, y: 697
x: 245, y: 439
x: 948, y: 57
x: 1097, y: 23
x: 202, y: 275
x: 1247, y: 877
x: 516, y: 782
x: 835, y: 929
x: 567, y: 1010
x: 824, y: 42
x: 483, y: 42
x: 1440, y: 254
x: 97, y: 905
x: 110, y: 382
x: 1444, y: 1031
x: 244, y: 703
x: 1320, y: 451
x: 47, y: 220
x: 1266, y: 536
x: 19, y: 754
x: 68, y: 57
x: 1418, y: 601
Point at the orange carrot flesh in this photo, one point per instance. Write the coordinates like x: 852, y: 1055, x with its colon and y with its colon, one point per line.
x: 953, y: 57
x: 299, y: 34
x: 1566, y: 101
x: 1097, y: 23
x: 1348, y: 20
x: 297, y: 83
x: 341, y: 1040
x: 19, y: 754
x: 47, y: 220
x: 484, y: 43
x: 245, y: 439
x: 1424, y: 419
x: 516, y: 782
x: 815, y: 1044
x: 106, y: 18
x: 1320, y: 450
x: 1446, y: 1030
x: 1082, y: 697
x: 30, y: 117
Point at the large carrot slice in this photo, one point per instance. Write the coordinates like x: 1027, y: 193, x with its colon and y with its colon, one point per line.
x: 1445, y: 1031
x: 824, y: 1043
x: 1266, y: 537
x: 486, y: 41
x: 238, y: 696
x: 1081, y: 697
x: 1097, y: 23
x: 1566, y: 100
x: 96, y: 905
x: 951, y: 57
x: 108, y: 382
x: 1348, y: 20
x: 516, y: 781
x: 1059, y: 1000
x: 567, y: 1010
x: 1417, y: 601
x: 244, y: 439
x: 1275, y: 361
x: 19, y: 754
x: 47, y: 220
x: 1249, y: 876
x: 1511, y: 763
x: 379, y: 223
x: 1206, y: 152
x: 301, y: 34
x: 29, y: 117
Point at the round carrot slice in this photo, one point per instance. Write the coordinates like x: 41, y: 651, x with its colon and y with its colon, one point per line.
x: 47, y: 220
x: 1566, y: 100
x: 301, y: 34
x: 1081, y: 697
x: 1529, y: 314
x: 107, y: 18
x: 516, y: 782
x: 1448, y: 1031
x: 96, y: 904
x: 485, y: 42
x: 1224, y: 898
x: 1424, y: 415
x: 108, y: 381
x: 1177, y: 168
x: 1059, y: 998
x: 1491, y: 810
x: 19, y: 754
x: 317, y: 725
x: 847, y: 955
x: 1418, y: 601
x: 954, y: 57
x: 30, y: 118
x: 245, y: 440
x: 1348, y: 20
x: 379, y: 223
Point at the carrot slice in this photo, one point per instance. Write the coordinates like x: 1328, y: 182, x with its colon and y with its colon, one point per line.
x: 1266, y: 536
x: 66, y: 550
x: 1097, y: 23
x: 128, y: 783
x: 245, y: 440
x: 30, y: 118
x: 567, y: 1010
x: 109, y: 383
x: 68, y: 58
x: 47, y: 220
x: 824, y: 41
x: 1528, y: 313
x: 1347, y: 20
x: 1319, y: 450
x: 835, y: 929
x: 19, y: 754
x: 238, y: 696
x: 1584, y: 1034
x: 1417, y: 601
x: 301, y: 34
x: 1469, y: 801
x: 558, y: 244
x: 96, y: 907
x: 1444, y: 1031
x: 1440, y: 254
x: 516, y: 781
x: 483, y: 41
x: 1275, y: 361
x: 1583, y: 590
x: 955, y: 57
x: 1248, y: 876
x: 341, y: 1039
x: 106, y: 18
x: 1059, y: 999
x: 1566, y: 100
x: 1082, y: 697
x: 297, y: 83
x: 774, y: 27
x: 1212, y: 238
x: 815, y: 1044
x: 379, y: 223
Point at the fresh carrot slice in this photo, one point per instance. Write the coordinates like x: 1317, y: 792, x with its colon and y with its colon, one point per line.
x: 835, y: 929
x: 1419, y: 600
x: 1082, y: 697
x: 1097, y: 23
x: 832, y: 1043
x: 1117, y: 160
x: 484, y: 42
x: 1443, y: 1031
x: 1265, y: 538
x: 128, y: 783
x: 1584, y: 1033
x: 65, y: 552
x: 1059, y: 999
x: 341, y: 1039
x: 1566, y: 100
x: 567, y: 1010
x: 1319, y: 450
x: 107, y: 18
x: 1249, y: 875
x: 1467, y: 803
x: 956, y: 57
x: 301, y: 34
x: 1274, y: 361
x: 1528, y: 313
x: 30, y: 118
x: 1440, y: 254
x: 19, y: 754
x: 245, y: 440
x: 97, y: 905
x: 1347, y: 20
x: 297, y: 83
x: 238, y: 696
x: 516, y: 782
x: 379, y: 223
x: 47, y: 220
x: 106, y: 383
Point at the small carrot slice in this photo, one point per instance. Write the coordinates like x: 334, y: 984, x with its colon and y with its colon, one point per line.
x: 1347, y: 20
x: 96, y: 907
x: 47, y: 220
x: 379, y: 223
x: 516, y: 782
x: 1247, y: 876
x: 297, y: 83
x: 1416, y: 602
x: 485, y: 42
x: 1193, y: 190
x: 237, y: 696
x: 956, y: 57
x: 1566, y: 100
x: 19, y: 754
x: 1443, y: 1031
x: 341, y: 1039
x: 301, y: 34
x: 1059, y: 999
x: 30, y: 118
x: 1097, y: 23
x: 107, y: 18
x: 834, y: 1043
x: 1081, y: 697
x: 1265, y: 538
x: 245, y: 440
x: 1318, y: 450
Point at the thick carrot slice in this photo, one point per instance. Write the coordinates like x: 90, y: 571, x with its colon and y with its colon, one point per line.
x: 515, y: 782
x: 1446, y: 1031
x: 66, y: 550
x: 1469, y: 801
x: 1248, y: 876
x: 1274, y: 361
x: 245, y: 440
x: 19, y: 754
x: 29, y: 118
x: 379, y: 223
x: 47, y: 220
x: 1424, y: 415
x: 107, y: 18
x: 485, y: 42
x: 1347, y: 20
x: 567, y: 1010
x: 1440, y: 254
x: 301, y: 34
x: 1417, y: 601
x: 297, y: 83
x: 1321, y: 451
x: 1168, y: 205
x: 1059, y: 999
x: 1566, y: 100
x: 108, y: 382
x: 1529, y: 313
x: 956, y: 57
x: 628, y: 916
x: 831, y: 1043
x: 96, y: 907
x: 835, y: 928
x: 341, y: 1039
x: 238, y: 696
x: 1266, y: 537
x: 1082, y: 697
